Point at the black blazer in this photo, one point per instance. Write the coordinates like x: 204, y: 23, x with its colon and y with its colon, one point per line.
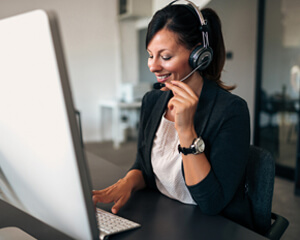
x: 222, y: 120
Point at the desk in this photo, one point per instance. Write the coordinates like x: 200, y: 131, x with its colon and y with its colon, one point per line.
x: 116, y: 107
x: 161, y: 218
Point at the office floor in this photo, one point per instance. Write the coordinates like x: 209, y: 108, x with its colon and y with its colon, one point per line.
x: 285, y: 202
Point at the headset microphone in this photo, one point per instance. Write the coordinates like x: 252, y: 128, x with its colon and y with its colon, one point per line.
x: 159, y: 85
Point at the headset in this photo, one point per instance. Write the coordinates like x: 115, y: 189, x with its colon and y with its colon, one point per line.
x: 202, y: 55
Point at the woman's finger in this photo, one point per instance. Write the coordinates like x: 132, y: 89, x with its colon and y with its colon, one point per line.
x: 185, y: 87
x: 177, y: 90
x: 118, y: 205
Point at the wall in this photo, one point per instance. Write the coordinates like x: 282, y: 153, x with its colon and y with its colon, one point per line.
x: 90, y: 38
x: 157, y: 4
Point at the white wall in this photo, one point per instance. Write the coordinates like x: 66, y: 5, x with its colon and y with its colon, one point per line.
x: 157, y: 4
x: 90, y: 38
x: 91, y: 33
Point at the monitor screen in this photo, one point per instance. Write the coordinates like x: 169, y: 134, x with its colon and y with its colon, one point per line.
x: 42, y: 167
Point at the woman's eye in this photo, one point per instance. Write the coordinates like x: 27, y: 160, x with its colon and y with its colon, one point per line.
x: 150, y: 56
x: 166, y: 58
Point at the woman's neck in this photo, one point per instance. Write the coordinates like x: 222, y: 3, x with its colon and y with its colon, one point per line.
x: 195, y: 82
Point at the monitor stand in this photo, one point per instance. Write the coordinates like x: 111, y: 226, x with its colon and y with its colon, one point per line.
x: 14, y: 222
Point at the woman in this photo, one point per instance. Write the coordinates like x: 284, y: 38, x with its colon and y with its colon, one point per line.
x: 194, y: 135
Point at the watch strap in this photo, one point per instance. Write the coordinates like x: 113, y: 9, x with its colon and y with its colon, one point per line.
x: 195, y: 148
x: 185, y: 151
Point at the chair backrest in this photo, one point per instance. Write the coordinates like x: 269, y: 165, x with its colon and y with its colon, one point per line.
x: 260, y: 175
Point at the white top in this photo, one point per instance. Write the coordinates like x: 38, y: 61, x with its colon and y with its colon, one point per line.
x: 167, y: 163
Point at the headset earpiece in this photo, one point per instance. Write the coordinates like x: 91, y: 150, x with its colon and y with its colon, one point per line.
x: 201, y: 56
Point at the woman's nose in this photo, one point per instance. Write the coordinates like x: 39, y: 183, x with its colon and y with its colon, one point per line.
x: 154, y: 65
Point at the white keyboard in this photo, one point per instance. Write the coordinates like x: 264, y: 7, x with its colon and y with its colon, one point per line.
x: 111, y: 224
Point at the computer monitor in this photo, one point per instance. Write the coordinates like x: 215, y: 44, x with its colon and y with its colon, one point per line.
x: 43, y: 169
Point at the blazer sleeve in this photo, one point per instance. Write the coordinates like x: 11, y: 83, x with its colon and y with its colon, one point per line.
x: 227, y: 140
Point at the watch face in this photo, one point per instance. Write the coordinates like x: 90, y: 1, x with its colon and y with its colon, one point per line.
x: 199, y: 145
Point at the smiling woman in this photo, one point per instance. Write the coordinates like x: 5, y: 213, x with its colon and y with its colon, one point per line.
x: 194, y: 135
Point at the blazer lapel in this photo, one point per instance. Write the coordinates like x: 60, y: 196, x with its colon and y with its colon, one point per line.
x: 205, y: 106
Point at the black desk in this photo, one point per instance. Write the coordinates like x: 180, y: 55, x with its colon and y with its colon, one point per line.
x: 161, y: 218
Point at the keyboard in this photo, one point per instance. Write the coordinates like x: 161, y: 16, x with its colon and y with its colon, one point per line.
x: 112, y: 224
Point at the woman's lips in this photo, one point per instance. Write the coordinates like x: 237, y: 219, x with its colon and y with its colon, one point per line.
x: 163, y: 78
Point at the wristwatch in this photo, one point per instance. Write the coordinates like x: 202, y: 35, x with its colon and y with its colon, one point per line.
x: 197, y: 147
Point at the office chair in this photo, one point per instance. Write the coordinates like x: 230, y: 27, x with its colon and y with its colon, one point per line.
x: 259, y: 187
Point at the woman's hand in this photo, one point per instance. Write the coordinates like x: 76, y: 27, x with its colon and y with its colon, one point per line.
x: 183, y: 105
x: 120, y: 192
